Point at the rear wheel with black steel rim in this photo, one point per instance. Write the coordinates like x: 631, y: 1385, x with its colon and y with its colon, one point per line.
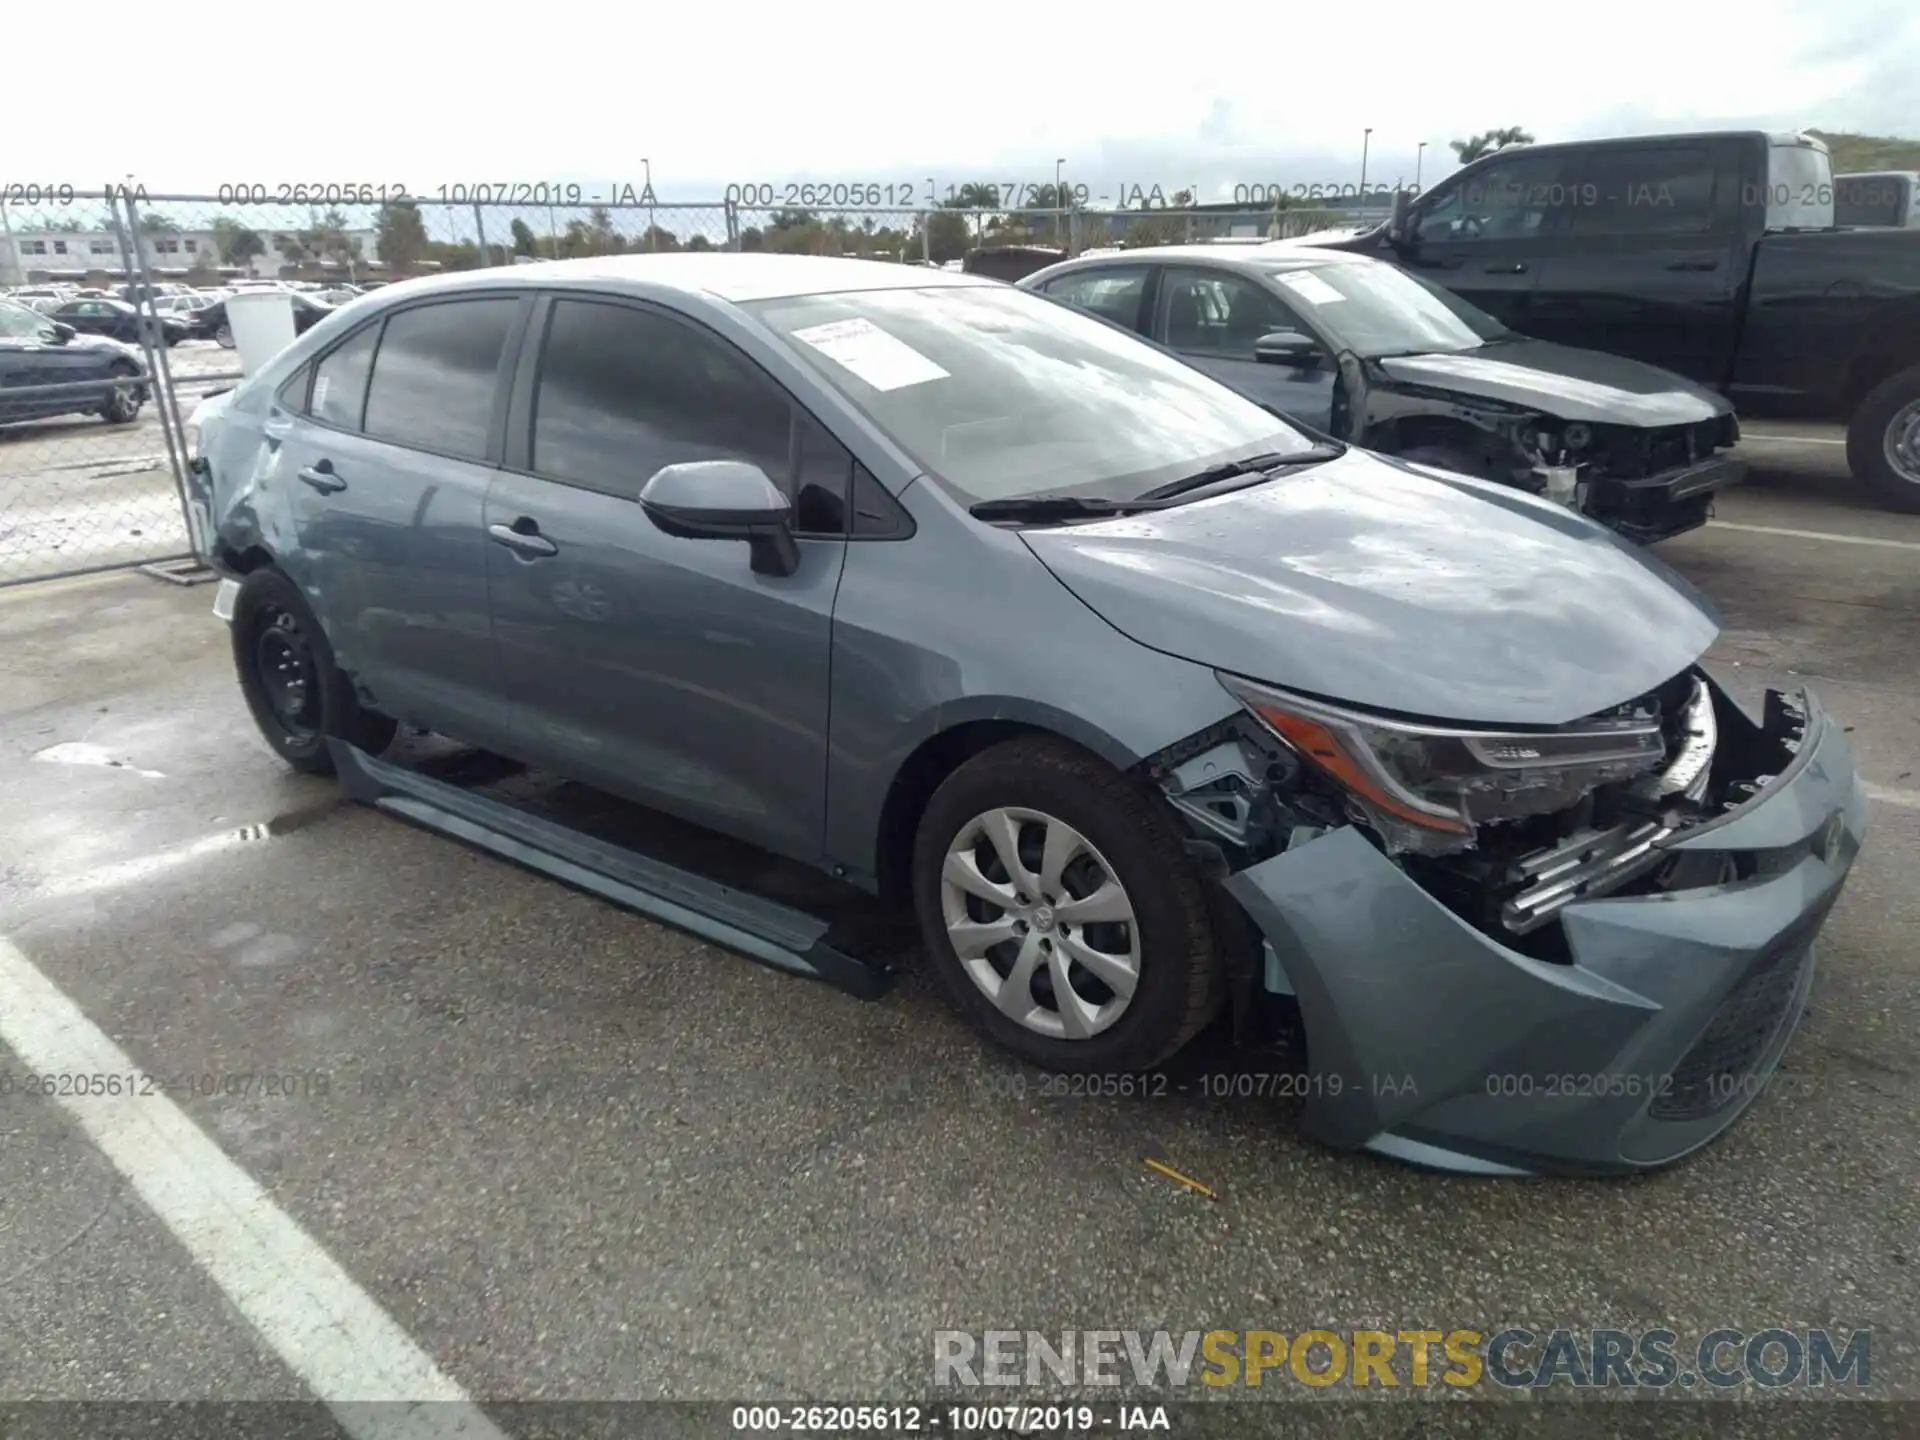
x: 1062, y: 910
x: 296, y: 693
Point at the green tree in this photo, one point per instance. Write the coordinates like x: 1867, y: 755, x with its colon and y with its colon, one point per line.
x: 465, y: 255
x: 602, y: 237
x: 947, y: 237
x: 699, y: 242
x: 525, y: 242
x: 237, y: 243
x: 753, y: 238
x: 400, y: 235
x: 153, y: 223
x: 1475, y: 146
x: 657, y: 237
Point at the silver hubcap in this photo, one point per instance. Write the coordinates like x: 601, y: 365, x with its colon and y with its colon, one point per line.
x: 1903, y: 442
x: 1041, y: 923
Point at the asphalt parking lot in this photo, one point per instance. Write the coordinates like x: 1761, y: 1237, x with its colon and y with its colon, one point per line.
x: 563, y: 1153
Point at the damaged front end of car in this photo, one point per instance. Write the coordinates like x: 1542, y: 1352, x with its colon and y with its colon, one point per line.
x: 1577, y: 949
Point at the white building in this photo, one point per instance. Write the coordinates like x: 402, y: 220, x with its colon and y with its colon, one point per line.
x: 29, y: 255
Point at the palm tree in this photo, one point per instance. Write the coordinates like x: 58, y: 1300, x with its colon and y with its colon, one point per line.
x: 1472, y: 149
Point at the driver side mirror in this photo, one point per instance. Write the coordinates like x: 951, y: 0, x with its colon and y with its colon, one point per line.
x: 1287, y: 347
x: 725, y: 500
x: 63, y: 332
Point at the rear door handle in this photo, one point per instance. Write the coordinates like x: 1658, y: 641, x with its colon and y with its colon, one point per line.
x: 527, y: 541
x: 1694, y: 265
x: 1513, y: 267
x: 321, y: 477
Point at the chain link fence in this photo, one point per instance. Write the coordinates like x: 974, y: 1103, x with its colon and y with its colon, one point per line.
x: 92, y: 447
x: 88, y: 474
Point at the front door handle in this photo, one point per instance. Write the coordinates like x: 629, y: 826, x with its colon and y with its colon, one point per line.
x: 1694, y: 265
x: 1511, y: 267
x: 523, y: 537
x: 321, y: 477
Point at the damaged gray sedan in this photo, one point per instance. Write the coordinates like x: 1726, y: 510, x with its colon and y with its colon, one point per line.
x: 1148, y: 704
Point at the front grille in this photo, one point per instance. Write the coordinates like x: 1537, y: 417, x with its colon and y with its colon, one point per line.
x: 1645, y: 453
x: 1718, y: 1070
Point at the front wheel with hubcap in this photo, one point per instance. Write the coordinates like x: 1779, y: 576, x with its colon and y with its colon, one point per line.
x: 1883, y: 441
x: 1062, y: 910
x: 296, y: 693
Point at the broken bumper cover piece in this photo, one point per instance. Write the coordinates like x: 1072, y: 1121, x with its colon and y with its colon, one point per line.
x: 1431, y: 1041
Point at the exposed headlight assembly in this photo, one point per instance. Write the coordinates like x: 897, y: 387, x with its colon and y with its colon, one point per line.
x: 1428, y: 788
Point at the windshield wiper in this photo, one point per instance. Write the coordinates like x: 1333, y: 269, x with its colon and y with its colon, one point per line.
x: 1250, y: 470
x: 1050, y: 507
x: 1097, y: 507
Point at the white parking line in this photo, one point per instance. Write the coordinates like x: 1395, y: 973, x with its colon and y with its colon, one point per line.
x: 1886, y: 795
x: 327, y: 1330
x: 1815, y: 535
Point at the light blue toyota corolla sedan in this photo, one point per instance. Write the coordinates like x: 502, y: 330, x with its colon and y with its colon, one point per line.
x: 1149, y: 704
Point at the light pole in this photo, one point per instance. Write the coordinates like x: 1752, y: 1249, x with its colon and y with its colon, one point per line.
x: 1419, y: 154
x: 652, y: 224
x: 1366, y: 140
x: 1059, y: 201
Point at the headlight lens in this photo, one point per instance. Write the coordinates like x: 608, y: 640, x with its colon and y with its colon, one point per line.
x: 1430, y: 787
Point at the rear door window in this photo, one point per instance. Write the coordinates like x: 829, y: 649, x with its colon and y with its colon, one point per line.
x: 436, y: 376
x: 1658, y: 190
x: 340, y: 381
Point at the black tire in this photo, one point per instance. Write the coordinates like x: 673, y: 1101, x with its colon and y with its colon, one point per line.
x: 1180, y: 984
x: 122, y: 405
x: 1867, y: 437
x: 296, y: 722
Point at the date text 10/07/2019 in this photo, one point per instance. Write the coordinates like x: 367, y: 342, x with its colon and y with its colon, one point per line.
x: 958, y: 1420
x: 538, y: 193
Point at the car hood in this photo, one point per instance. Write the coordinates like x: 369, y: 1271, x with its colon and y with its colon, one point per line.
x: 1387, y: 585
x: 81, y: 340
x: 1563, y: 381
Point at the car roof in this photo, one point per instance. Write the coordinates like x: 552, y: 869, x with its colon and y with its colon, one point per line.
x: 1263, y: 258
x: 723, y: 274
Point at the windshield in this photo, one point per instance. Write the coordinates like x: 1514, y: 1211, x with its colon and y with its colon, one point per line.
x: 19, y: 323
x: 1374, y: 309
x: 1001, y: 394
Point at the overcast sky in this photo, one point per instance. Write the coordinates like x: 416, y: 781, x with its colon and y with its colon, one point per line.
x: 1146, y: 95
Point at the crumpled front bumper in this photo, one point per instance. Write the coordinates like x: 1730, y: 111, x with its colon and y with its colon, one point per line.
x: 1664, y: 505
x: 1430, y: 1041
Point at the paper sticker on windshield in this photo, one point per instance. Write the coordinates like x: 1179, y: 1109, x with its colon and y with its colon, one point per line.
x: 882, y: 360
x: 1309, y: 287
x: 320, y: 393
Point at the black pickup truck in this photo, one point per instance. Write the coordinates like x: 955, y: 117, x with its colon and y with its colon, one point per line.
x: 1714, y: 255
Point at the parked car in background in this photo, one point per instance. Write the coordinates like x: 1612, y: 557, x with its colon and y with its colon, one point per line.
x: 190, y: 309
x: 1713, y: 255
x: 118, y: 320
x: 97, y: 376
x: 307, y: 312
x: 1145, y: 701
x: 1367, y: 353
x: 1877, y: 198
x: 136, y: 292
x: 1010, y: 262
x: 42, y: 292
